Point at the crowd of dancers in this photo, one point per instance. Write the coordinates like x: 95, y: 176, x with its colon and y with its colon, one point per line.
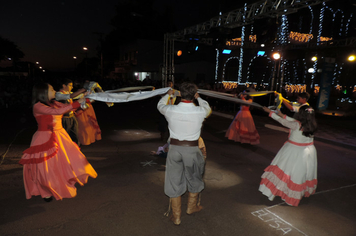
x: 54, y: 164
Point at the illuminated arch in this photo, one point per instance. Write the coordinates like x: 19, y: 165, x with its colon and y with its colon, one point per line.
x: 223, y: 72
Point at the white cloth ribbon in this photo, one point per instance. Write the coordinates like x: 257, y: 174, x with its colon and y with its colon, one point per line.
x: 227, y: 97
x: 126, y: 97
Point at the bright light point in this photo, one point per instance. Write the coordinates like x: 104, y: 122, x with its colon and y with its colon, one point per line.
x: 262, y: 45
x: 226, y: 51
x: 74, y: 58
x: 261, y: 53
x: 314, y: 58
x: 351, y: 58
x: 44, y: 70
x: 40, y: 67
x: 179, y: 53
x: 37, y: 62
x: 136, y: 74
x: 9, y: 58
x: 85, y: 48
x: 196, y: 48
x: 276, y: 56
x: 311, y: 70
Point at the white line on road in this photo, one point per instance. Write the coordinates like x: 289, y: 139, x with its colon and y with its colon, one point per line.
x: 267, y: 216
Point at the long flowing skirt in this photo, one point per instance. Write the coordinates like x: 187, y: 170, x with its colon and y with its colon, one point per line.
x: 243, y: 129
x: 88, y: 127
x: 292, y: 174
x: 53, y: 165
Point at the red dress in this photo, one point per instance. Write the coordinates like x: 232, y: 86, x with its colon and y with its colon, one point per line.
x: 53, y: 163
x: 242, y: 128
x: 88, y: 127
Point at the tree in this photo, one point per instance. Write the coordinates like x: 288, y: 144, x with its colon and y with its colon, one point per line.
x: 9, y: 49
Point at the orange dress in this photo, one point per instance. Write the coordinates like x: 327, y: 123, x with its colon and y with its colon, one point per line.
x: 54, y: 163
x: 88, y: 127
x: 242, y: 128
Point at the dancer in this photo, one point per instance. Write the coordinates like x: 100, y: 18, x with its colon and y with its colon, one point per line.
x: 53, y: 163
x: 173, y: 99
x: 243, y: 129
x: 70, y: 123
x: 185, y: 162
x: 302, y: 100
x: 293, y: 172
x: 88, y: 127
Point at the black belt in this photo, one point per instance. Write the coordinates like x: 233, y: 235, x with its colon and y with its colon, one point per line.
x: 184, y: 143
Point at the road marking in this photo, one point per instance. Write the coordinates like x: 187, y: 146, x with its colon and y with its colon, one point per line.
x: 267, y: 216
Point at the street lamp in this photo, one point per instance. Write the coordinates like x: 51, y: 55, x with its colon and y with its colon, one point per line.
x: 276, y: 56
x: 351, y: 58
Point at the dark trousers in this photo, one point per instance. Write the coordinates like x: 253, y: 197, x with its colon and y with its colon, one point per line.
x: 70, y: 124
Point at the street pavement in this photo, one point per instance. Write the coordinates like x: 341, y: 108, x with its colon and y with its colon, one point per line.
x: 127, y: 196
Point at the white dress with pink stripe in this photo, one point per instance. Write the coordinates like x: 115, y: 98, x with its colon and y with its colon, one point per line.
x: 293, y: 172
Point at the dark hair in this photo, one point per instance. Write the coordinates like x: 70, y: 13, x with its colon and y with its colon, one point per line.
x: 67, y: 81
x: 306, y: 116
x: 40, y: 93
x: 188, y: 90
x: 305, y: 95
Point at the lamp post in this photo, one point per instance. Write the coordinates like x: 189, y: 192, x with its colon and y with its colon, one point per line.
x: 276, y: 56
x: 86, y: 60
x: 75, y: 61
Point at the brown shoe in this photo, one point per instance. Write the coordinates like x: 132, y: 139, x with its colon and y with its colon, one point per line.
x: 193, y: 205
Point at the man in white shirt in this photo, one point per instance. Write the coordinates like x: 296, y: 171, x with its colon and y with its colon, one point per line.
x: 185, y: 162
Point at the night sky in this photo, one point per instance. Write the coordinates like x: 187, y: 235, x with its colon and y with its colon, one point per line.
x: 52, y: 32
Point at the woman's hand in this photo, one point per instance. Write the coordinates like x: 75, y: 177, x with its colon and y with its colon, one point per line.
x: 266, y: 109
x: 170, y: 92
x: 81, y: 100
x: 280, y: 114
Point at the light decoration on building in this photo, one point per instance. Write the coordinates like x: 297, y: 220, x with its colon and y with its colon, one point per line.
x: 230, y: 58
x: 295, y: 88
x: 348, y: 24
x: 217, y: 64
x: 334, y: 16
x: 229, y: 84
x: 300, y: 37
x: 325, y: 39
x: 238, y: 41
x: 338, y: 87
x: 250, y: 65
x: 312, y: 19
x: 316, y: 89
x: 242, y: 45
x: 283, y: 37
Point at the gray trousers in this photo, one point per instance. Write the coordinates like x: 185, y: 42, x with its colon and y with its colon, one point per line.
x: 184, y: 169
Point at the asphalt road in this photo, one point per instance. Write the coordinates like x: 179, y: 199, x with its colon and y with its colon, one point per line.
x: 127, y: 197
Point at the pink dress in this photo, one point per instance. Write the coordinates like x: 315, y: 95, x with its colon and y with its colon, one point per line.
x: 54, y: 163
x: 88, y: 127
x: 242, y: 128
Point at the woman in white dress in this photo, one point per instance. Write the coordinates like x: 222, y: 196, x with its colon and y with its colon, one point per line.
x: 293, y: 172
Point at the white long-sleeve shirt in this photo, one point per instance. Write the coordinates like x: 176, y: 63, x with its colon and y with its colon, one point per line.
x: 185, y: 119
